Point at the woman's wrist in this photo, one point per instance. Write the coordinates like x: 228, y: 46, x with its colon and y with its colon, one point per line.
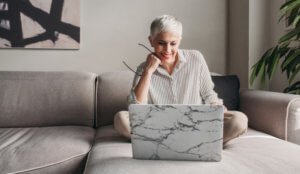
x: 147, y: 72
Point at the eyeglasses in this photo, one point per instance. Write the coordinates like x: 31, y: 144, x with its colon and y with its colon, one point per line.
x: 129, y: 66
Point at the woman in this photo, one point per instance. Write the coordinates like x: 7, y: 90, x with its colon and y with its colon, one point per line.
x: 171, y: 75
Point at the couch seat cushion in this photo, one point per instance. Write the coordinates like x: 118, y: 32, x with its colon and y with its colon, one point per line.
x: 45, y: 150
x: 254, y: 152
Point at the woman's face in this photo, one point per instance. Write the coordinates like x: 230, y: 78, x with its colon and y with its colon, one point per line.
x: 165, y: 46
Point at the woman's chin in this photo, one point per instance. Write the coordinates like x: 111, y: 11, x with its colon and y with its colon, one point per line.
x: 166, y: 58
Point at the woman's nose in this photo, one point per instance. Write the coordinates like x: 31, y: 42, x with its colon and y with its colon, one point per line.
x: 167, y: 48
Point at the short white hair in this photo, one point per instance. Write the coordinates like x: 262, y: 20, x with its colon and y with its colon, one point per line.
x: 165, y: 23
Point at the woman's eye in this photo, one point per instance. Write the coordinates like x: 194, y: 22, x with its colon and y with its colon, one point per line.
x: 173, y: 44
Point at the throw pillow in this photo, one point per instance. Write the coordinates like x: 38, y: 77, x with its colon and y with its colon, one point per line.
x: 228, y: 87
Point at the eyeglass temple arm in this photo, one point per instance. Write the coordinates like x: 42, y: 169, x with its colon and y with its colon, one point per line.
x: 129, y: 66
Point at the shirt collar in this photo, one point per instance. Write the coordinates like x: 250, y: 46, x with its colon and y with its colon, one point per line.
x: 182, y: 58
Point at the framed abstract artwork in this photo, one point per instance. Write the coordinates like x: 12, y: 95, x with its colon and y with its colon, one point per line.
x: 41, y: 24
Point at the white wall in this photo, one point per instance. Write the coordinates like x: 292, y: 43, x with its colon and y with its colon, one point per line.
x: 238, y: 55
x: 259, y: 34
x: 249, y: 33
x: 111, y: 29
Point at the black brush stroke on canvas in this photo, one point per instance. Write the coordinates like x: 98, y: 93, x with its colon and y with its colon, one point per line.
x: 50, y: 22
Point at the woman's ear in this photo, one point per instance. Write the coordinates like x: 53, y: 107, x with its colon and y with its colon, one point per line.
x: 150, y: 40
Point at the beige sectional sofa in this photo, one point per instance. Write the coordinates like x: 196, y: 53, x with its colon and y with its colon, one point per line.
x: 46, y: 121
x: 61, y: 122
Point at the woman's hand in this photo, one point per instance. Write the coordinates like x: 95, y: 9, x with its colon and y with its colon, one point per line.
x: 225, y: 108
x: 152, y: 63
x: 216, y: 103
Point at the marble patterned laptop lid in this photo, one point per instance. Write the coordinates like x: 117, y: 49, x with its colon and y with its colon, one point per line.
x: 176, y: 132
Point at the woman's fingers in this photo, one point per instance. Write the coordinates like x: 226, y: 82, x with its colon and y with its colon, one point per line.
x: 152, y: 63
x: 156, y: 59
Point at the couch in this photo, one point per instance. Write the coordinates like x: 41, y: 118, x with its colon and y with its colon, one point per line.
x: 46, y: 121
x: 61, y: 122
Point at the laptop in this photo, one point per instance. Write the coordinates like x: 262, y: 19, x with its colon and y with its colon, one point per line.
x: 176, y: 132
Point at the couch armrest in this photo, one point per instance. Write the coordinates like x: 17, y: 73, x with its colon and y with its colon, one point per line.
x: 274, y: 113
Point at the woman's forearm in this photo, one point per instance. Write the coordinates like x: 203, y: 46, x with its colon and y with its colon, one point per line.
x: 142, y: 88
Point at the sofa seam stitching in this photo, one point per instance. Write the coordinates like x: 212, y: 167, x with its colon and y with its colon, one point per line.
x: 52, y: 164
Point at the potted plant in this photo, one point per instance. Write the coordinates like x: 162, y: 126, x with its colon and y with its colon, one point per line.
x: 286, y: 53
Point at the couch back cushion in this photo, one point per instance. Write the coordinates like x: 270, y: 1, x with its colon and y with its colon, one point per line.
x: 114, y: 87
x: 46, y: 98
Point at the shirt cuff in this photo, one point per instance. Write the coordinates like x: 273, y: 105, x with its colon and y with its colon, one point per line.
x: 132, y: 98
x: 214, y: 100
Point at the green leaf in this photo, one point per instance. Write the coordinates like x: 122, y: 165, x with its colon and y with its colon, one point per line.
x: 297, y: 24
x: 262, y: 73
x: 270, y: 62
x: 290, y: 35
x: 253, y: 76
x: 286, y: 4
x: 282, y: 17
x: 296, y: 21
x: 261, y: 63
x: 290, y: 5
x: 291, y: 67
x: 274, y: 67
x: 292, y: 16
x: 258, y: 70
x: 289, y: 54
x: 283, y: 51
x: 294, y: 75
x: 284, y: 44
x: 289, y: 59
x: 259, y: 67
x: 293, y: 89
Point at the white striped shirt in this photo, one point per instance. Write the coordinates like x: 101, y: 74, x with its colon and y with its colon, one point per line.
x: 190, y: 82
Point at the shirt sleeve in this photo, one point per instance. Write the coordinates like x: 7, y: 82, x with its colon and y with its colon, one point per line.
x: 209, y: 96
x: 131, y: 99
